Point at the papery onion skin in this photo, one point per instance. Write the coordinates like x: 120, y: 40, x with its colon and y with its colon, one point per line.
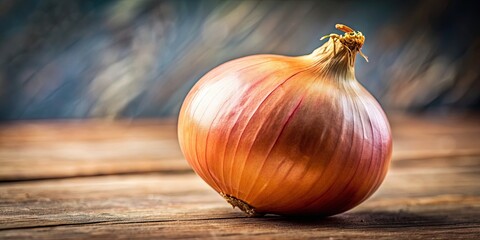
x: 288, y: 135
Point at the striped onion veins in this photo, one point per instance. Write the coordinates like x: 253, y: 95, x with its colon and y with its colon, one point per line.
x: 288, y: 135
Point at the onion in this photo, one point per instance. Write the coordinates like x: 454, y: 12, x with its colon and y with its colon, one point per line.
x: 288, y: 135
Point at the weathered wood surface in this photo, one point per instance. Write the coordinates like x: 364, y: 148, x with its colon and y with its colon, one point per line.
x: 39, y: 150
x: 128, y: 180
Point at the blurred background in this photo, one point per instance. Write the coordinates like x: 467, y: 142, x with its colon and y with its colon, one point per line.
x: 139, y: 58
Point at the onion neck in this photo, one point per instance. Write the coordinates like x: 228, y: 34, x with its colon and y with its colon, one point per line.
x: 337, y: 56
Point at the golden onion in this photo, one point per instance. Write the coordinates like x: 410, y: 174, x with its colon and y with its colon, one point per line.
x: 288, y: 135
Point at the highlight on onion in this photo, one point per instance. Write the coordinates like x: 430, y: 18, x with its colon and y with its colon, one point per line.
x: 288, y: 135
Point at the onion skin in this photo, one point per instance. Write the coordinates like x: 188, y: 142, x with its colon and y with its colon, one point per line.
x: 288, y: 135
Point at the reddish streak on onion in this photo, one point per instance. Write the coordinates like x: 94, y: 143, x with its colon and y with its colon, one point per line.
x: 288, y: 135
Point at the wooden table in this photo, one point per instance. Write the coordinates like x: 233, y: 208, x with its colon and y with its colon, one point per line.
x: 127, y: 179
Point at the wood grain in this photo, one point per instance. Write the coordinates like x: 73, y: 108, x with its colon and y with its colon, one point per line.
x: 39, y: 149
x: 126, y: 180
x: 428, y: 136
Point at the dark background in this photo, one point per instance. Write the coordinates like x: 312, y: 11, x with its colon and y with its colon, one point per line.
x: 138, y: 59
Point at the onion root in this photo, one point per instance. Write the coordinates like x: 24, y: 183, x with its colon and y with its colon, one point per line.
x: 245, y: 207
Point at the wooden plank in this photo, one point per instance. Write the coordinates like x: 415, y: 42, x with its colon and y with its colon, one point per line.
x: 420, y: 199
x: 428, y: 136
x: 57, y: 149
x: 359, y: 225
